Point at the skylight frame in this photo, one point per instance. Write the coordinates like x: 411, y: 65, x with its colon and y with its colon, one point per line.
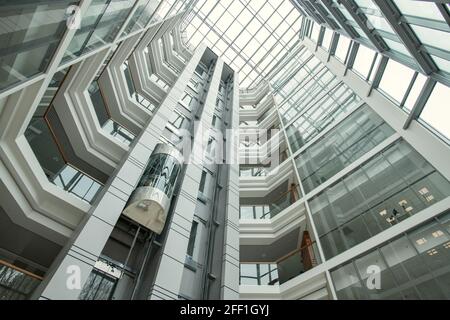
x: 275, y: 23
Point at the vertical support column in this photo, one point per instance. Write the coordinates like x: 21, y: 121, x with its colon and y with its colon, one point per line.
x: 230, y: 260
x: 171, y: 265
x: 81, y: 252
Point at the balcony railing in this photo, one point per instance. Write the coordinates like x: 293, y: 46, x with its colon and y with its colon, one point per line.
x: 16, y: 283
x: 253, y: 172
x: 269, y: 211
x: 284, y: 269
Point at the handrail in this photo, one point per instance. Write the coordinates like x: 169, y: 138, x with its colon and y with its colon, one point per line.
x: 292, y: 253
x: 292, y: 188
x: 283, y: 258
x: 28, y: 273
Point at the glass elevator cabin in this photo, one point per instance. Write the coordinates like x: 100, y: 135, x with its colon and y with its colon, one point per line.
x: 150, y: 201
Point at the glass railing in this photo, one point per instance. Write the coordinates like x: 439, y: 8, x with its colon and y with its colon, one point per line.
x: 284, y: 269
x: 269, y: 211
x: 58, y: 171
x: 253, y: 172
x: 16, y: 283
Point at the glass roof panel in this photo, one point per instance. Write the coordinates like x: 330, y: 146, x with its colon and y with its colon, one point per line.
x: 253, y: 33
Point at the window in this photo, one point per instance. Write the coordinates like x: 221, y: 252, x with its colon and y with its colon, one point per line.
x: 352, y: 138
x: 29, y: 38
x: 413, y: 265
x: 386, y: 190
x: 395, y: 80
x: 187, y: 100
x: 342, y: 48
x: 436, y: 112
x: 201, y: 187
x: 210, y: 148
x: 327, y: 37
x: 192, y: 236
x: 177, y: 119
x: 363, y: 61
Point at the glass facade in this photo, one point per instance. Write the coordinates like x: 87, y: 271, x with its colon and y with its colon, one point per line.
x: 141, y: 16
x: 58, y: 170
x: 401, y: 83
x: 389, y: 188
x: 29, y: 36
x: 351, y: 139
x: 99, y: 26
x: 413, y: 265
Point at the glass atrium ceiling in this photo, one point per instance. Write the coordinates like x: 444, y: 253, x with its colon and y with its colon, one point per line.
x: 250, y: 35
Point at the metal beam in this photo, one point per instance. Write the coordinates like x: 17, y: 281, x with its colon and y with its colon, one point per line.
x: 340, y: 18
x: 421, y: 102
x: 407, y: 36
x: 362, y: 22
x: 324, y: 14
x: 444, y: 11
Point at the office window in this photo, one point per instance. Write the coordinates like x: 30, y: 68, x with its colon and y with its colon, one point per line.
x: 211, y: 147
x: 386, y: 190
x: 436, y: 112
x: 395, y: 80
x: 192, y: 237
x: 201, y: 187
x: 177, y: 119
x: 100, y: 25
x: 187, y: 100
x: 413, y: 265
x: 356, y: 135
x: 342, y: 48
x: 327, y: 37
x: 363, y: 61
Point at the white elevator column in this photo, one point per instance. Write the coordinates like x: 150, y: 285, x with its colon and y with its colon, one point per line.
x: 170, y: 270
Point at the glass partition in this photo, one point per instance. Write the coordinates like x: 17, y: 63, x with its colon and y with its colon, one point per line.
x: 284, y: 269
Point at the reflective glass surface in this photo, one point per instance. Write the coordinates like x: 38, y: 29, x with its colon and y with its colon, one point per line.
x: 386, y: 190
x: 352, y: 138
x: 29, y: 35
x: 412, y: 266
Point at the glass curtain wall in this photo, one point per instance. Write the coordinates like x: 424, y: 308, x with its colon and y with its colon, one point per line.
x: 414, y: 265
x: 30, y: 33
x: 389, y: 188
